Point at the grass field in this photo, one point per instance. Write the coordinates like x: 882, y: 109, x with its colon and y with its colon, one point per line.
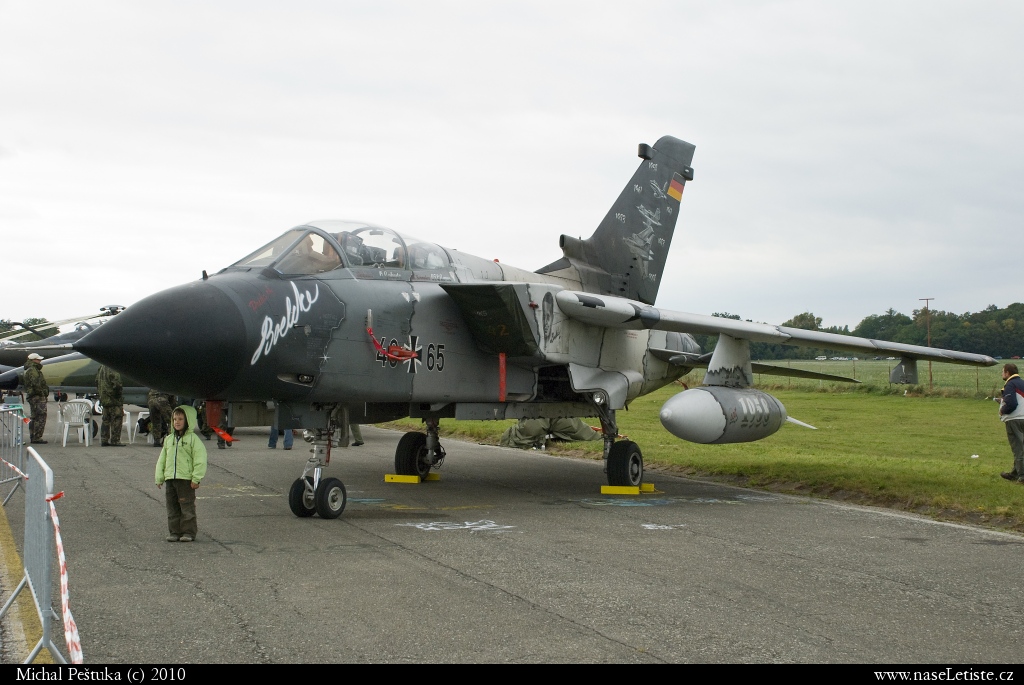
x: 912, y: 452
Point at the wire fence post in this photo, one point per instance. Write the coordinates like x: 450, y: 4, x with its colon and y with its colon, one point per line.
x: 40, y: 539
x: 12, y: 447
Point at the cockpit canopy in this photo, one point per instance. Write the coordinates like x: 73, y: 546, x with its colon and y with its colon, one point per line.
x: 322, y: 246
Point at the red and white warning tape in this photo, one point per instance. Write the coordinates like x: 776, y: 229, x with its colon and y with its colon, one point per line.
x: 70, y: 628
x: 15, y: 469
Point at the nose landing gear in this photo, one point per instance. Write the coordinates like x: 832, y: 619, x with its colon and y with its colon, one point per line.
x: 313, y: 494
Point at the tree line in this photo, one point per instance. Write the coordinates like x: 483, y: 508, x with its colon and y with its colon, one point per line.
x: 992, y: 331
x: 9, y: 327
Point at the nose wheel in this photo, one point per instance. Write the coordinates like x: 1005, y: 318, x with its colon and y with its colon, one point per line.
x: 328, y: 498
x: 314, y: 494
x: 302, y: 498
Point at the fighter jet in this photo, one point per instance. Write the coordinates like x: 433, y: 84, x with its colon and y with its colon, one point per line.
x: 336, y: 322
x: 73, y: 373
x: 14, y: 351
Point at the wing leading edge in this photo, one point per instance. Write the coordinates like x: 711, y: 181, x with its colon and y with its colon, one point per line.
x: 617, y: 312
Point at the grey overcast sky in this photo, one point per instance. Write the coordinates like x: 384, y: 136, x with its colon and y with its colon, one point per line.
x: 851, y: 156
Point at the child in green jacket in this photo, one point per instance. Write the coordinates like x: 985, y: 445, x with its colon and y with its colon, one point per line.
x: 182, y: 465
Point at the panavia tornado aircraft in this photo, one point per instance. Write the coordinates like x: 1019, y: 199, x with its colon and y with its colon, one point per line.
x: 74, y: 373
x: 14, y: 350
x: 336, y: 322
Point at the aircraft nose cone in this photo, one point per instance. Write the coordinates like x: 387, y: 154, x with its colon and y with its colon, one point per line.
x: 189, y: 340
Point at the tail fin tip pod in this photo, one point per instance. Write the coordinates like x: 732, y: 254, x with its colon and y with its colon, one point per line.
x: 626, y: 254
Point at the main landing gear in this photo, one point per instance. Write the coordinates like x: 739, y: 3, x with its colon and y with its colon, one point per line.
x: 313, y: 494
x: 417, y: 453
x: 623, y: 461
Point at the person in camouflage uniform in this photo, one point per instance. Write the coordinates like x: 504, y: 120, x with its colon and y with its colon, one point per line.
x: 534, y: 433
x: 204, y: 429
x: 159, y: 416
x: 111, y: 392
x: 36, y: 391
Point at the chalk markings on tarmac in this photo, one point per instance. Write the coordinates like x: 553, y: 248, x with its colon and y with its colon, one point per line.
x: 662, y: 526
x: 471, y: 526
x: 237, y: 491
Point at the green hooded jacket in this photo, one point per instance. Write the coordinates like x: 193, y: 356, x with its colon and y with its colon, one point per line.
x: 182, y: 458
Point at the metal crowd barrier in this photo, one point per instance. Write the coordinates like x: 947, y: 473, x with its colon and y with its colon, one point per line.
x: 41, y: 535
x: 12, y: 447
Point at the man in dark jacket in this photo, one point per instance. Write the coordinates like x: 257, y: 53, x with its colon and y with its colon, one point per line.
x: 1011, y: 411
x: 36, y: 391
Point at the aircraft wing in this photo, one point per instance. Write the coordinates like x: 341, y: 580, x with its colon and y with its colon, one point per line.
x: 65, y: 347
x: 26, y: 332
x: 617, y: 312
x: 702, y: 361
x: 770, y: 370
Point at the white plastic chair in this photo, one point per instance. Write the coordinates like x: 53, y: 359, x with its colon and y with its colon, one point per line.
x: 78, y: 414
x: 127, y: 425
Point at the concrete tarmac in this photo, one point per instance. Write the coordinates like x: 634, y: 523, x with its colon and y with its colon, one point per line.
x: 513, y: 556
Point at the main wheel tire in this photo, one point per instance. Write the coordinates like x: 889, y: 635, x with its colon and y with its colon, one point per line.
x: 95, y: 428
x: 625, y: 464
x: 301, y: 500
x: 330, y: 498
x: 411, y: 456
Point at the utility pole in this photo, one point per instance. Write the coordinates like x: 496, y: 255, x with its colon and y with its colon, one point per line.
x: 928, y: 325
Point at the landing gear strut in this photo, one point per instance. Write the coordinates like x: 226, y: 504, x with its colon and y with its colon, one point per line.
x: 417, y: 453
x: 623, y: 461
x: 313, y: 494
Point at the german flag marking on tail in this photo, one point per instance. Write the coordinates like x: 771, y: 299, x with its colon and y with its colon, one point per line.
x: 675, y: 188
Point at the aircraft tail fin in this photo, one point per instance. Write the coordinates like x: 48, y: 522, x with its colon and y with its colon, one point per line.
x: 626, y: 255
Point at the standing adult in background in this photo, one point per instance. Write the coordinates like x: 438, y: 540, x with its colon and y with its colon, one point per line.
x: 1011, y: 411
x: 111, y: 392
x: 289, y: 438
x: 36, y: 391
x: 225, y: 430
x: 356, y: 433
x: 159, y: 416
x: 203, y: 428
